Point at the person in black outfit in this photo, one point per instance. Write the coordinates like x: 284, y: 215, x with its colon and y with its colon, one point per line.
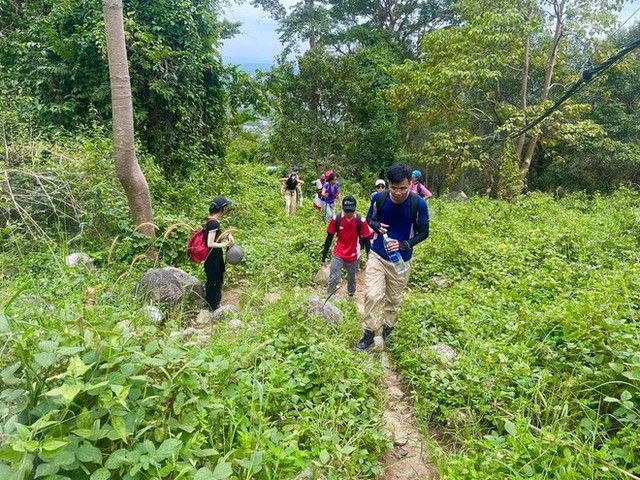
x: 214, y: 264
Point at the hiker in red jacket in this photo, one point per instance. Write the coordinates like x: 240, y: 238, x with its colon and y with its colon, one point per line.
x: 350, y: 228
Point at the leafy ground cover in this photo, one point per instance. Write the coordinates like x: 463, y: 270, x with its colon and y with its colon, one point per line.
x: 99, y: 392
x: 543, y: 313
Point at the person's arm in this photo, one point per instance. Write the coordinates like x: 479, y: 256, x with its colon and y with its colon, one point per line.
x: 421, y: 235
x: 423, y: 227
x: 327, y: 246
x: 324, y: 193
x: 211, y: 240
x: 331, y: 231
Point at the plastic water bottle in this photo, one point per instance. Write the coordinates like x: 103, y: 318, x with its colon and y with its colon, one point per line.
x: 394, y: 257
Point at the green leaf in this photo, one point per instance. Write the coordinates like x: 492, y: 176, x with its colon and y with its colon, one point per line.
x: 77, y: 367
x: 168, y: 448
x: 89, y: 453
x: 46, y: 469
x: 51, y: 444
x: 117, y: 459
x: 626, y: 395
x: 120, y: 427
x: 510, y: 427
x: 324, y: 457
x: 204, y: 474
x: 67, y: 392
x: 101, y: 474
x: 65, y: 457
x: 223, y: 470
x: 632, y: 374
x: 45, y: 359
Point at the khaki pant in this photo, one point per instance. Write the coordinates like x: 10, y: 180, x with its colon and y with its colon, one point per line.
x: 290, y: 202
x: 384, y: 290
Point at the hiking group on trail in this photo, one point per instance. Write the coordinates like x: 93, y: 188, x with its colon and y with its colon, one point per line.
x: 396, y: 221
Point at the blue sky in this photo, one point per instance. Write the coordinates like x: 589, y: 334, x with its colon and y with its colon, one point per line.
x: 259, y: 42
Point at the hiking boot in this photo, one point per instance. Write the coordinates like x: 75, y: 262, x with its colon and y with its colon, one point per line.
x: 366, y: 341
x: 386, y: 332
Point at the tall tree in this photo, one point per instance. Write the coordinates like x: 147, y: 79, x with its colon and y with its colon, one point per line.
x: 501, y: 68
x: 127, y: 168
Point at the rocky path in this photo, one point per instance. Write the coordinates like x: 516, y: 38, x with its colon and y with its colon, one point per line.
x: 409, y: 459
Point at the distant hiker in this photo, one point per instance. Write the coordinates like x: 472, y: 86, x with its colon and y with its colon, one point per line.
x: 401, y: 220
x: 290, y: 187
x: 214, y: 264
x: 317, y: 200
x: 330, y: 193
x: 350, y: 228
x: 418, y: 187
x: 380, y: 185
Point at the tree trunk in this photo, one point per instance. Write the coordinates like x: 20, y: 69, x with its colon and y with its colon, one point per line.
x: 127, y: 168
x: 559, y: 13
x: 523, y: 95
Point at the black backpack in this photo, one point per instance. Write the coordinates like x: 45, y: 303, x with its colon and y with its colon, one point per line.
x: 414, y: 207
x: 292, y: 182
x: 358, y: 224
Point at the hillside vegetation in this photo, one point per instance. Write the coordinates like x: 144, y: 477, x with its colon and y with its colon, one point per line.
x: 540, y: 303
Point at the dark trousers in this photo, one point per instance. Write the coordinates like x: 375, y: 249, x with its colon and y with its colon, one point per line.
x: 214, y: 268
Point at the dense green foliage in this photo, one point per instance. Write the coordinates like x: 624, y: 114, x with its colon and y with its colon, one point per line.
x: 54, y: 71
x: 333, y: 113
x: 362, y: 96
x: 544, y: 314
x: 100, y: 392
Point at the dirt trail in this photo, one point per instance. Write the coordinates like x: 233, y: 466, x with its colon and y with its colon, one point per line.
x: 410, y: 458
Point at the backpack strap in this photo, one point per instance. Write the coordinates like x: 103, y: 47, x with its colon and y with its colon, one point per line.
x: 382, y: 197
x: 359, y: 224
x: 337, y: 221
x: 415, y: 199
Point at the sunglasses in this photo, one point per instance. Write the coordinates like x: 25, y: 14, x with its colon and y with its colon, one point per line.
x: 379, y: 187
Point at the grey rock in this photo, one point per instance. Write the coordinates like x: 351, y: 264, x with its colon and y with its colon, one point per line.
x: 445, y: 352
x: 440, y: 282
x: 171, y: 287
x: 225, y: 312
x: 305, y: 475
x: 79, y: 259
x: 189, y: 332
x: 328, y: 311
x: 458, y: 196
x: 35, y: 302
x: 205, y: 317
x: 235, y: 324
x: 151, y: 313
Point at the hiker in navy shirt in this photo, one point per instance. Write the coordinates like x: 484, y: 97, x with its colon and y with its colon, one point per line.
x: 404, y: 217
